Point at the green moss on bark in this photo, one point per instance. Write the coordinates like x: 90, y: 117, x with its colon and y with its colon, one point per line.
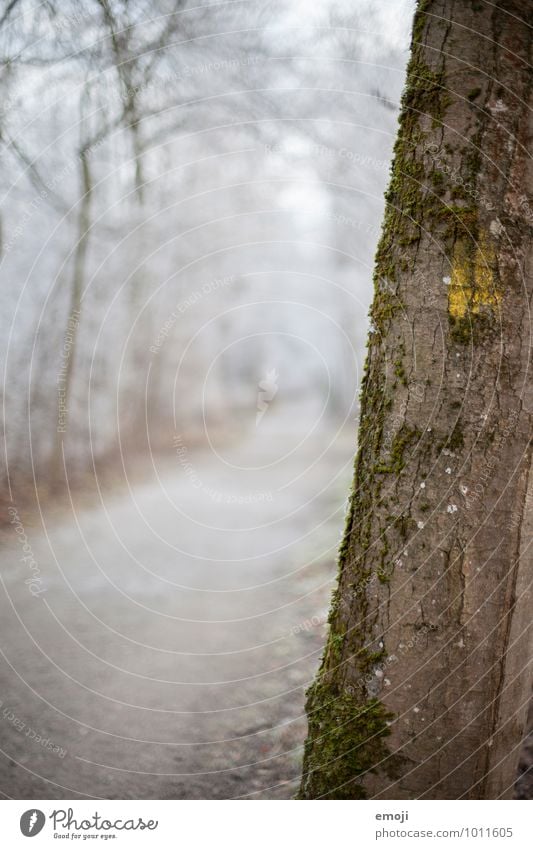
x: 405, y: 438
x: 348, y: 740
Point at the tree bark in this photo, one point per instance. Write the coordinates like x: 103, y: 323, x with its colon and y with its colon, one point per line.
x: 426, y: 677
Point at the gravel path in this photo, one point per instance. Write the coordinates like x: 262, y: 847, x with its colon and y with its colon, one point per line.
x: 175, y: 629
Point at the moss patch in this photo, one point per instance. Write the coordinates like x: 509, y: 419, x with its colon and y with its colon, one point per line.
x: 405, y: 437
x: 349, y: 739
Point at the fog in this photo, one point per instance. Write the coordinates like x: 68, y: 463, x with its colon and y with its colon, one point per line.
x: 191, y: 201
x: 187, y: 192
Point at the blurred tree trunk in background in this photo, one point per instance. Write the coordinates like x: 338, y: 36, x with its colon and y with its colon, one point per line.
x: 65, y: 380
x: 425, y: 682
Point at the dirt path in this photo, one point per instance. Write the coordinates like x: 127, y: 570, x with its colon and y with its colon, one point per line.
x: 175, y: 629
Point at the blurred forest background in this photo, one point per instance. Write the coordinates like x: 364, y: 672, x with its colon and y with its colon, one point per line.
x: 192, y: 195
x: 191, y: 200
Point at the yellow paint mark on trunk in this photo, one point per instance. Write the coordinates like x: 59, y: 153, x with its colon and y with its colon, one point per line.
x: 473, y: 285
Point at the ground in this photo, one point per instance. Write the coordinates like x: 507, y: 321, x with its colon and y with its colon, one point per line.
x: 169, y: 649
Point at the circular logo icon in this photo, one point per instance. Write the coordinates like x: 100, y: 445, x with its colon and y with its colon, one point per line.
x: 32, y: 822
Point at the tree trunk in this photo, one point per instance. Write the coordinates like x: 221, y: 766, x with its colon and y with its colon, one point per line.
x: 425, y: 681
x: 68, y: 354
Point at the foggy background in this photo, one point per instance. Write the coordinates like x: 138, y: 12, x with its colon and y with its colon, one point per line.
x: 191, y: 201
